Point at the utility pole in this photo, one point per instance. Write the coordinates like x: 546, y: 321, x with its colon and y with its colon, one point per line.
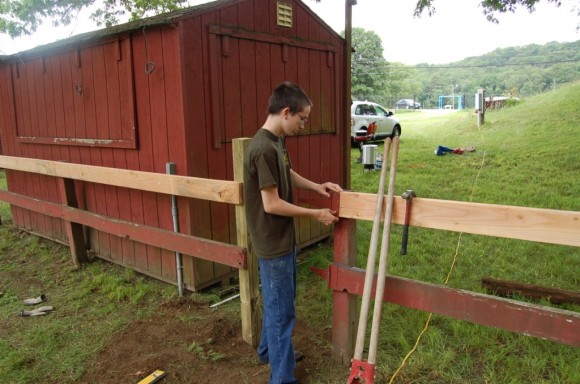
x: 347, y: 87
x: 453, y: 95
x: 343, y: 327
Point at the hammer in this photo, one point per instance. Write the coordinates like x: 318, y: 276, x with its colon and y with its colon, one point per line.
x: 408, y: 196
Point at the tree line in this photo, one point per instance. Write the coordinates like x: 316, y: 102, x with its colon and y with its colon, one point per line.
x: 511, y: 72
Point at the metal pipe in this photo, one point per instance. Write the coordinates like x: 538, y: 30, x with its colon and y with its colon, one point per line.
x: 170, y: 170
x: 231, y: 298
x: 225, y: 301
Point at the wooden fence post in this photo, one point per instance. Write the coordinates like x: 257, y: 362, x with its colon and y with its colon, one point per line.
x: 249, y: 290
x: 74, y: 231
x: 343, y: 303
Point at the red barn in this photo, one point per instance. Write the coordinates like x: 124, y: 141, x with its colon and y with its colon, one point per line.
x: 172, y: 88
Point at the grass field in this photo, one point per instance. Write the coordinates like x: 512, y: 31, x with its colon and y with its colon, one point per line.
x: 526, y: 155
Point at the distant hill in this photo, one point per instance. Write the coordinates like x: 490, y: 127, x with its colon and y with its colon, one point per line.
x: 516, y: 71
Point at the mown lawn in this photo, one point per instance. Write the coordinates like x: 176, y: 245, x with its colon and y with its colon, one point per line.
x: 526, y: 155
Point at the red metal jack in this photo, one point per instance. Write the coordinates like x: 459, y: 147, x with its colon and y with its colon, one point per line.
x: 361, y: 370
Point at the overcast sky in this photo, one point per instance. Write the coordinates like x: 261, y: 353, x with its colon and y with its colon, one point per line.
x: 456, y: 31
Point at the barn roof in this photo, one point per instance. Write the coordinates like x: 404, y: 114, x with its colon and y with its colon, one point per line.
x: 162, y: 19
x: 81, y: 39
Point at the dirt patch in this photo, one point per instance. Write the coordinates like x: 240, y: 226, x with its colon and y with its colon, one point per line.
x: 195, y: 344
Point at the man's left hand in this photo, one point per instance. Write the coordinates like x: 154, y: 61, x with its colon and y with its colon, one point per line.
x: 323, y: 189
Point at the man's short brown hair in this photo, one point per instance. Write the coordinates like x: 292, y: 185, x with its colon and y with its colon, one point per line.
x: 288, y: 95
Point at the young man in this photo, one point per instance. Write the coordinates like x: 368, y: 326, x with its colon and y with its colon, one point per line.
x: 270, y: 210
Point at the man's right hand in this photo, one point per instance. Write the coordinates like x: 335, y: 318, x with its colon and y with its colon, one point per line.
x: 326, y: 216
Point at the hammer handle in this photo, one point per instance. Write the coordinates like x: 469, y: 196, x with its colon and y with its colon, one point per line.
x: 406, y: 227
x: 404, y: 241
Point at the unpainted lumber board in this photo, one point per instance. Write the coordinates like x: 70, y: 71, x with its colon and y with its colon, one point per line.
x: 532, y: 224
x: 249, y: 282
x: 207, y: 189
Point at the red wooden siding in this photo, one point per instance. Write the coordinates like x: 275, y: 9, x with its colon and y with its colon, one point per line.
x: 90, y: 84
x: 170, y: 93
x: 244, y: 66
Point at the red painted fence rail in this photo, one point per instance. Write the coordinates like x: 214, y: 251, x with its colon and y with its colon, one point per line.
x: 541, y: 225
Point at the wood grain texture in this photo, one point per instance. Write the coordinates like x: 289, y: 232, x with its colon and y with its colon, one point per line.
x: 533, y: 224
x: 214, y: 190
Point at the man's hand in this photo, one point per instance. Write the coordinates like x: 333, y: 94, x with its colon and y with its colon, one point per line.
x: 326, y: 216
x: 323, y: 189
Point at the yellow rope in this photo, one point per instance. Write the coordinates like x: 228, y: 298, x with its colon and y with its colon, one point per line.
x: 450, y: 268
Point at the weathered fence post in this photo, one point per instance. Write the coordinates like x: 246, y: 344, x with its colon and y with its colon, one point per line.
x: 74, y: 231
x: 344, y: 303
x: 249, y: 289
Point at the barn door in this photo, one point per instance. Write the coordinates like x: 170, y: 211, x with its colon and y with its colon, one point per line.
x: 246, y: 66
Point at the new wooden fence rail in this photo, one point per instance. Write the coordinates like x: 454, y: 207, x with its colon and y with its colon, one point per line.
x: 532, y: 224
x: 206, y: 189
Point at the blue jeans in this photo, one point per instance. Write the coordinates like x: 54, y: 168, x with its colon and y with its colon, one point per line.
x: 279, y: 294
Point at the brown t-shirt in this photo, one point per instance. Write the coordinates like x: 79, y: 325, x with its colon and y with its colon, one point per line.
x: 267, y: 164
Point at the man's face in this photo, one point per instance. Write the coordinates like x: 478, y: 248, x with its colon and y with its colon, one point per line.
x: 294, y: 123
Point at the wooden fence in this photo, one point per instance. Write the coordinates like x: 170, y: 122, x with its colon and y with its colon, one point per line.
x: 532, y: 224
x: 223, y: 191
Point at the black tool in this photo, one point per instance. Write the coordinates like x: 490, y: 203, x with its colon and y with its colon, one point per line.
x: 408, y: 196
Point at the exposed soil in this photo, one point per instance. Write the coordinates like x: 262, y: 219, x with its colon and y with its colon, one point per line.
x: 186, y: 339
x: 192, y: 343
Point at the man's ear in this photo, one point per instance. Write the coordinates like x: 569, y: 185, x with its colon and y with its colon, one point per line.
x: 285, y: 112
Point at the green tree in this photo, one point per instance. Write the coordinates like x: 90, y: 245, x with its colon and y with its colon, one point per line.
x: 490, y: 7
x: 368, y: 65
x: 396, y: 77
x: 412, y: 85
x: 22, y: 17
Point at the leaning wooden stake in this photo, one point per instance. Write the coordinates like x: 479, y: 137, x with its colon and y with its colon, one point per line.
x: 361, y: 369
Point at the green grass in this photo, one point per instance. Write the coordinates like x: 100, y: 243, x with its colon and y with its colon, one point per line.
x: 526, y: 155
x: 103, y: 299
